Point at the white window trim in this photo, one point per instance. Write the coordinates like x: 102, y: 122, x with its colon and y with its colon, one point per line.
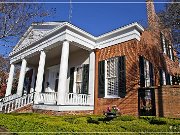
x: 164, y: 44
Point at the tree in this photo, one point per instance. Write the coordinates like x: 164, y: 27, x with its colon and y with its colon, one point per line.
x: 4, y: 66
x: 15, y: 18
x: 170, y: 18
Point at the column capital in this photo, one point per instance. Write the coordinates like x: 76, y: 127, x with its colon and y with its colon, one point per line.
x: 43, y: 50
x: 66, y: 41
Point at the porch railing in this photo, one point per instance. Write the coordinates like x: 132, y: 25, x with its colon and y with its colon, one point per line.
x: 77, y: 99
x: 71, y: 98
x: 8, y: 98
x: 48, y: 97
x: 17, y: 103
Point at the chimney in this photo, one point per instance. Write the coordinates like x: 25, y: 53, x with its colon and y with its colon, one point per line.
x: 151, y: 14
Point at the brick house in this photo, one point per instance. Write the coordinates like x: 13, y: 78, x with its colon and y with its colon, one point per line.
x: 129, y: 67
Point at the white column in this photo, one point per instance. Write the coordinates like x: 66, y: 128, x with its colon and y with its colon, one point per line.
x: 40, y: 74
x: 91, y: 77
x: 63, y: 74
x: 21, y: 77
x: 33, y: 81
x: 10, y: 80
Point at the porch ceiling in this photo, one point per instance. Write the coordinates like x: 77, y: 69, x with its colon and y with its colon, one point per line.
x: 52, y: 55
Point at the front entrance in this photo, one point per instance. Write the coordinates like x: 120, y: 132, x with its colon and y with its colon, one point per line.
x: 146, y: 102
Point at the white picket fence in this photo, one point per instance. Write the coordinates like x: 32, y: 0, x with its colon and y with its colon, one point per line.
x: 16, y: 103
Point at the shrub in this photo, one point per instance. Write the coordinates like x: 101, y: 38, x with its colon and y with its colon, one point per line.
x: 126, y: 118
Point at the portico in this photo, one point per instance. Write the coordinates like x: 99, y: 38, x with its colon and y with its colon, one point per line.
x: 56, y: 65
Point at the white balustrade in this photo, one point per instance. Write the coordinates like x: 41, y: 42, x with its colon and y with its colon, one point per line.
x: 77, y: 99
x: 9, y: 98
x: 17, y: 103
x: 47, y: 97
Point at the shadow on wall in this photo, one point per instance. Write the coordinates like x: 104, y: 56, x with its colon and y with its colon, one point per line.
x: 160, y: 102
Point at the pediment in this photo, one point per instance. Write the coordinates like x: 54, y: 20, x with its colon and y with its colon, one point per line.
x: 35, y: 32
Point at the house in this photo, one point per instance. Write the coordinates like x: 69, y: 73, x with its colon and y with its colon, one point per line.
x: 64, y: 69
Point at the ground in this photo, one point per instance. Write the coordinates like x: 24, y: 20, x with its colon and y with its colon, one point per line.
x: 32, y: 122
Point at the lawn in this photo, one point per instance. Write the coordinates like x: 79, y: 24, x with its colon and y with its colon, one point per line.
x: 32, y: 122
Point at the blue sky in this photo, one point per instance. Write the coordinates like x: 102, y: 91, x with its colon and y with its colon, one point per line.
x: 98, y: 18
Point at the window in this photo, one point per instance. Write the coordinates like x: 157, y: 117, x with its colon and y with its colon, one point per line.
x: 112, y: 78
x: 165, y: 78
x: 164, y: 44
x: 79, y: 79
x: 56, y: 82
x: 146, y: 72
x: 167, y: 47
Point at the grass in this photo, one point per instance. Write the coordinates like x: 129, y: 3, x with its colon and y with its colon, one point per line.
x: 32, y: 122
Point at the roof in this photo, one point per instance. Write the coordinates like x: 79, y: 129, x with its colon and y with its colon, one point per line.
x: 38, y: 31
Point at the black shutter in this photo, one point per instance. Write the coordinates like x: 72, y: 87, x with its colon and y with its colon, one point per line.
x: 122, y: 76
x: 151, y: 74
x: 160, y: 77
x: 167, y: 79
x: 71, y: 79
x: 141, y: 67
x: 101, y: 79
x: 161, y: 35
x: 85, y: 77
x: 172, y: 53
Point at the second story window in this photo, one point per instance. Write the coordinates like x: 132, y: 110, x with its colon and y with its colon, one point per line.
x: 167, y: 47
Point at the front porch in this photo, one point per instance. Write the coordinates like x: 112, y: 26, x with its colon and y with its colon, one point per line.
x: 61, y: 73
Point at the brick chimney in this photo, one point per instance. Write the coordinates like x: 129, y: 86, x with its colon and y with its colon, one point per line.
x: 151, y: 14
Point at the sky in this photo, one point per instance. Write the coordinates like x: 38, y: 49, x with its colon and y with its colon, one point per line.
x: 97, y: 18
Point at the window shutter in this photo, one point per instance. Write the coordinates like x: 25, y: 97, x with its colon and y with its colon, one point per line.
x: 151, y: 74
x: 122, y: 76
x: 167, y: 79
x: 141, y: 67
x: 172, y: 53
x: 101, y: 79
x: 160, y: 77
x: 72, y: 69
x: 85, y: 81
x: 161, y: 35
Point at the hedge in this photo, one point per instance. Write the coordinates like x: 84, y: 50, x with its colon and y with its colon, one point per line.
x: 32, y: 122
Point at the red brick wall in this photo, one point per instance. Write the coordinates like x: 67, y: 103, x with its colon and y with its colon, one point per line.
x: 129, y: 104
x: 168, y: 101
x: 150, y: 48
